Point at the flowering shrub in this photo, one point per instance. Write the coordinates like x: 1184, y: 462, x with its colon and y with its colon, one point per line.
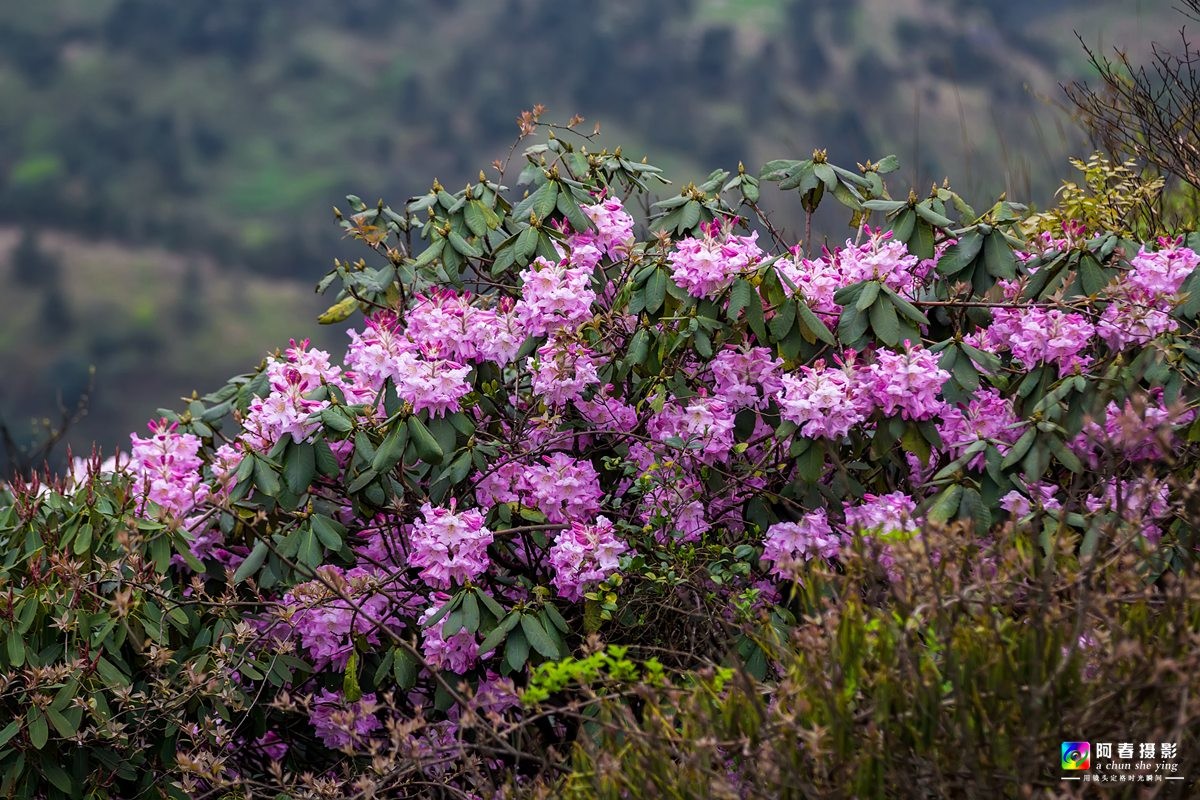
x: 548, y: 426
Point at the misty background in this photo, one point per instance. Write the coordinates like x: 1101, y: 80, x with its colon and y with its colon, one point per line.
x: 168, y: 169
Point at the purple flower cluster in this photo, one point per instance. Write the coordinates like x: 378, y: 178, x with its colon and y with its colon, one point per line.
x: 449, y: 547
x: 584, y: 555
x: 708, y: 265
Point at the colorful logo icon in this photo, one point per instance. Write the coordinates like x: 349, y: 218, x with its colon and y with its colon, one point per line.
x: 1076, y: 755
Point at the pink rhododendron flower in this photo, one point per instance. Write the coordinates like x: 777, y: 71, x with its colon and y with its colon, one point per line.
x: 449, y: 547
x: 790, y: 545
x: 584, y: 555
x: 882, y: 514
x: 614, y: 226
x: 908, y: 383
x: 1039, y: 336
x: 1141, y: 430
x: 562, y: 488
x: 457, y: 653
x: 705, y: 424
x: 986, y: 416
x: 554, y: 297
x: 746, y: 378
x: 166, y: 467
x: 563, y: 369
x: 824, y: 402
x: 326, y: 619
x: 708, y: 265
x: 342, y: 724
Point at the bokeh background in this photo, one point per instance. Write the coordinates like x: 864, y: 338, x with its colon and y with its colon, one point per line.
x: 168, y: 167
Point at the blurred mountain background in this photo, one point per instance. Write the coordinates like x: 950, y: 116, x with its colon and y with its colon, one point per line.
x: 167, y: 169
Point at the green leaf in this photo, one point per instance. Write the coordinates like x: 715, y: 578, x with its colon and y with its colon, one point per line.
x: 365, y: 477
x: 64, y: 726
x: 526, y: 244
x: 1190, y: 308
x: 265, y: 478
x: 326, y: 461
x: 1065, y: 456
x: 884, y: 323
x: 329, y: 532
x: 959, y: 256
x: 946, y: 504
x: 870, y: 291
x: 904, y: 307
x: 905, y: 222
x: 813, y: 324
x: 474, y: 218
x: 300, y: 467
x: 16, y: 649
x: 656, y: 290
x: 741, y: 295
x: 1019, y: 449
x: 83, y: 539
x: 778, y: 169
x: 427, y: 447
x: 499, y: 633
x: 545, y: 200
x: 339, y: 311
x: 538, y: 637
x: 689, y: 216
x: 351, y: 690
x: 334, y: 419
x: 310, y: 553
x: 39, y: 731
x: 57, y: 775
x: 574, y: 214
x: 784, y: 319
x: 253, y: 562
x: 932, y: 217
x: 964, y: 372
x: 391, y: 449
x: 516, y: 651
x: 470, y: 609
x: 429, y: 254
x: 852, y: 326
x: 1091, y: 275
x: 463, y: 246
x: 827, y: 175
x: 404, y: 669
x: 921, y: 242
x: 998, y: 257
x: 556, y: 619
x: 9, y: 731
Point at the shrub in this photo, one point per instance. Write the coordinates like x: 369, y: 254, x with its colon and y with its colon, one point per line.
x: 552, y: 434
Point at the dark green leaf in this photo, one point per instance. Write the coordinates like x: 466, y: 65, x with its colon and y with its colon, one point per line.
x: 656, y: 290
x: 516, y: 651
x: 253, y: 562
x: 538, y: 637
x: 391, y: 449
x: 300, y: 467
x: 884, y: 322
x: 427, y: 447
x: 870, y: 291
x: 998, y: 256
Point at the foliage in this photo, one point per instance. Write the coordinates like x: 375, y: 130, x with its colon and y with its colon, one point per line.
x: 1114, y: 197
x: 947, y: 684
x: 1152, y: 114
x: 559, y: 432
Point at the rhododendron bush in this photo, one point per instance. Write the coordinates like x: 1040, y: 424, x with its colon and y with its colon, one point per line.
x: 559, y: 425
